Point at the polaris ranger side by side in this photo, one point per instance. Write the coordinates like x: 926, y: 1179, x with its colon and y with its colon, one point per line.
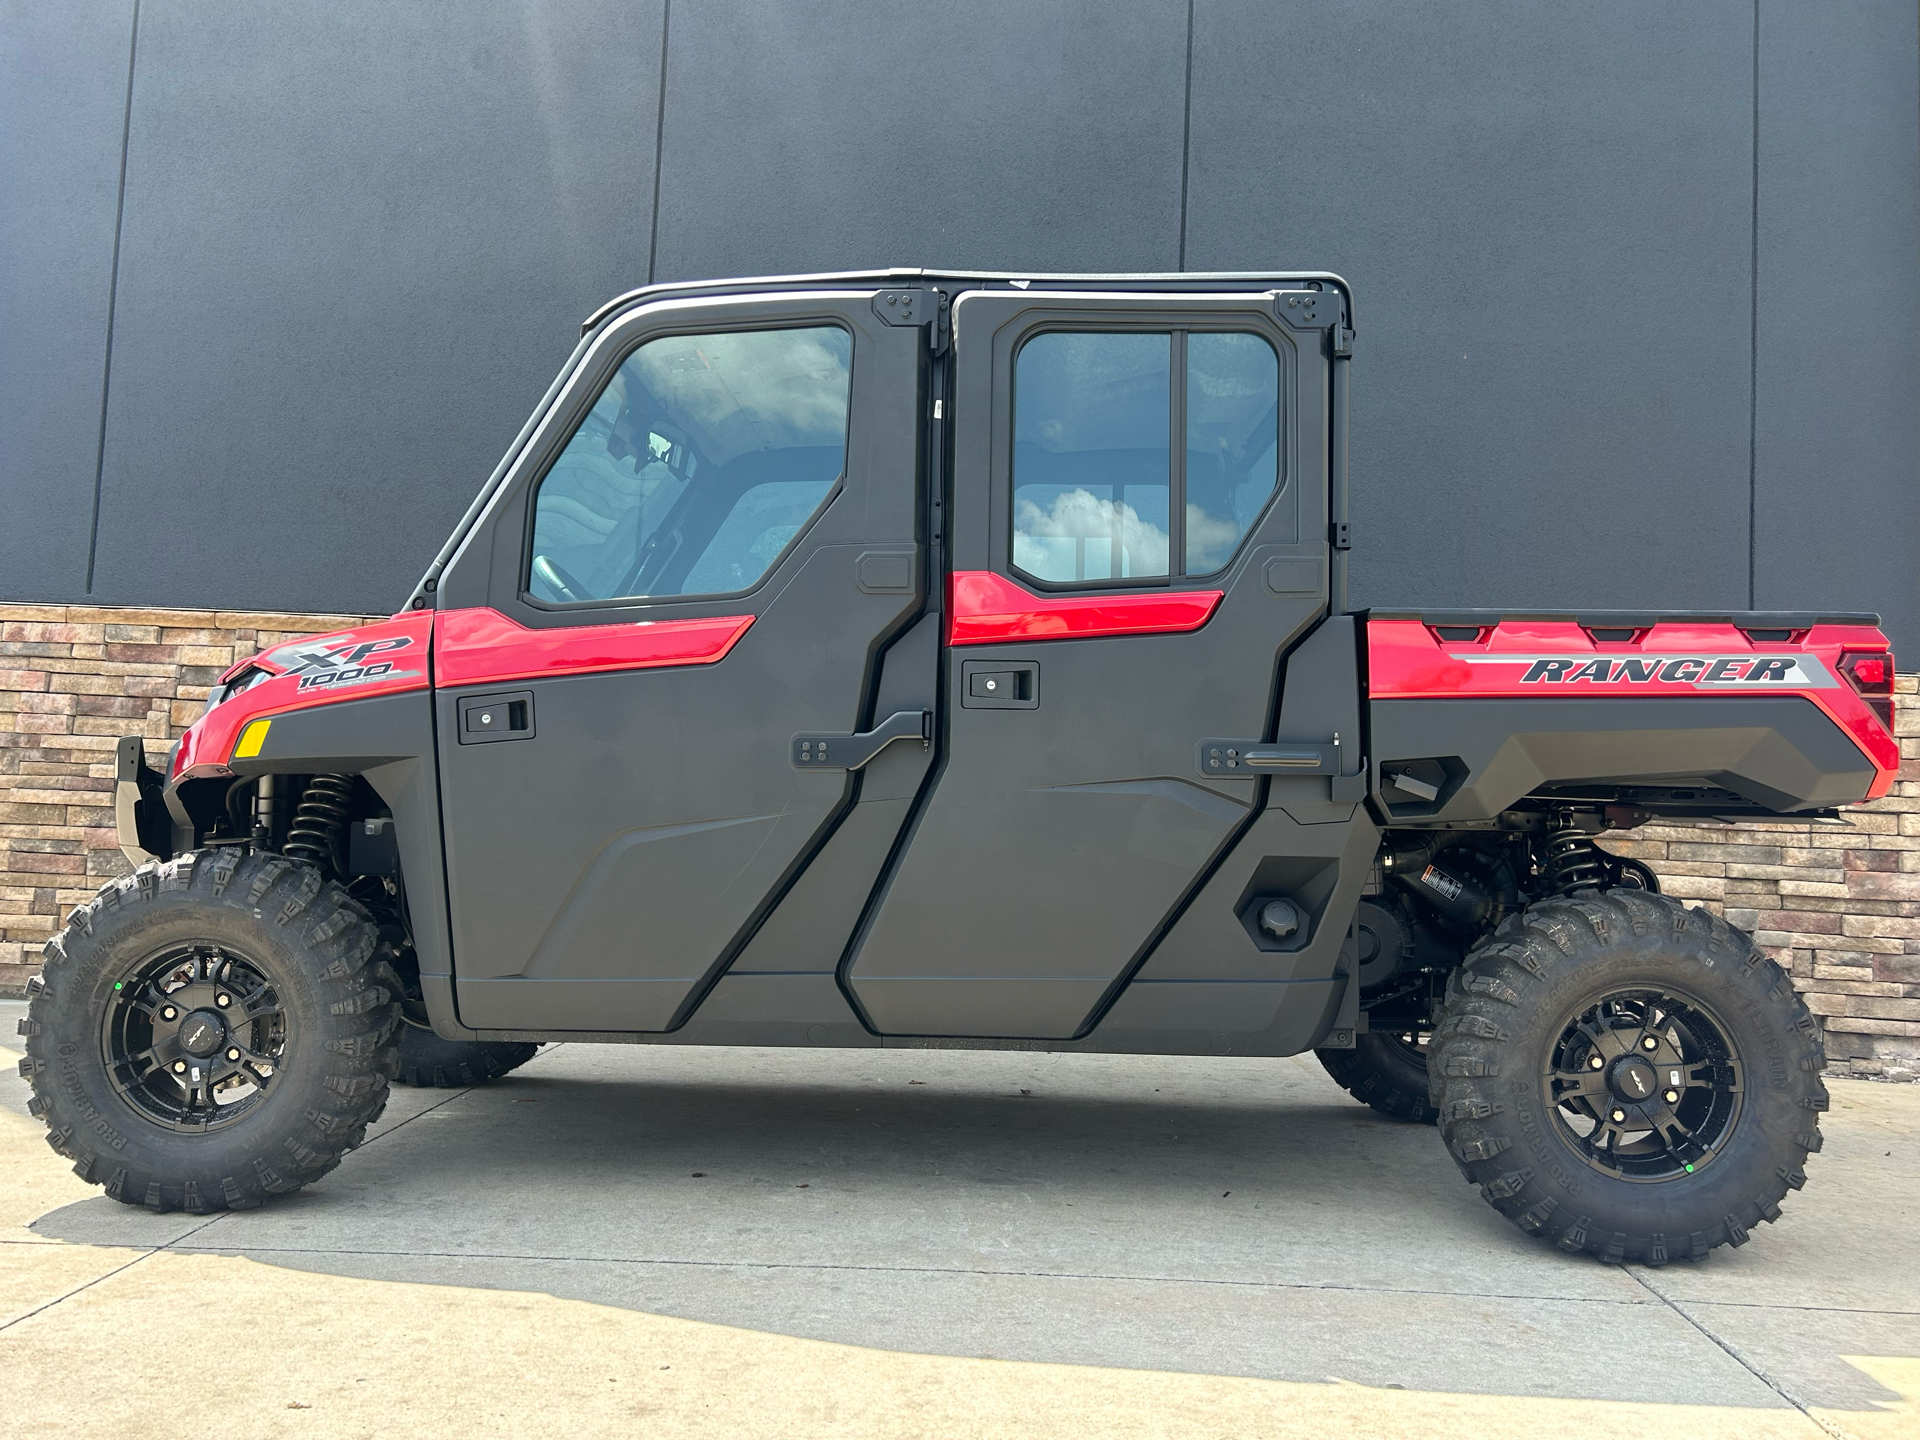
x: 912, y: 658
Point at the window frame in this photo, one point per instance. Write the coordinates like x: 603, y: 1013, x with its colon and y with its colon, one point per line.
x: 1177, y: 329
x: 523, y: 580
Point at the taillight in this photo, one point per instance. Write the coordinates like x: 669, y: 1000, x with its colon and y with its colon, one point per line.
x: 1871, y: 673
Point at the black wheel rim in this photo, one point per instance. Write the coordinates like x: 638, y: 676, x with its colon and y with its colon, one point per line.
x: 194, y: 1037
x: 1410, y: 1044
x: 1644, y: 1085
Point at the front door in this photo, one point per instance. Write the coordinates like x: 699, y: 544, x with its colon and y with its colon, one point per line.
x: 704, y: 553
x: 1140, y: 523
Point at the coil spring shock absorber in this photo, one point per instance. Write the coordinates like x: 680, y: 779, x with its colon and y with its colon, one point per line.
x: 321, y: 821
x: 1573, y: 861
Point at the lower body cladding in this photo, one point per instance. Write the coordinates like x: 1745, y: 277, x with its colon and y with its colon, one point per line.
x: 1217, y: 982
x: 1466, y: 760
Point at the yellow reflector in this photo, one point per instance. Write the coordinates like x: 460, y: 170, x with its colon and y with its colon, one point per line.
x: 251, y: 739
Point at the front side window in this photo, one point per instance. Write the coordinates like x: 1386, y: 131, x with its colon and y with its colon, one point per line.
x: 1100, y: 493
x: 700, y: 462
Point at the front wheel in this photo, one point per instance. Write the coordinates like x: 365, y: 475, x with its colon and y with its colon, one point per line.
x: 1628, y: 1078
x: 210, y: 1032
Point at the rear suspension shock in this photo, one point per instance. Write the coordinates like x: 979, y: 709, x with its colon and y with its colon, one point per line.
x: 320, y: 823
x: 1573, y: 860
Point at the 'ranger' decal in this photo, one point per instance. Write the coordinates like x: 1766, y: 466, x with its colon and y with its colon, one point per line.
x: 1753, y: 672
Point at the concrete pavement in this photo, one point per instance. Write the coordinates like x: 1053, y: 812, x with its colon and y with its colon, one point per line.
x: 965, y: 1243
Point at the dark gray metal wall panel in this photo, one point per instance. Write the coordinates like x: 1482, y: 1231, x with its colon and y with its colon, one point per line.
x: 358, y: 239
x: 1008, y: 134
x: 1546, y: 215
x: 63, y: 88
x: 1837, y: 459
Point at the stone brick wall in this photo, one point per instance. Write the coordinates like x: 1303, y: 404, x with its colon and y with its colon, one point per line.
x: 1838, y: 907
x: 73, y: 680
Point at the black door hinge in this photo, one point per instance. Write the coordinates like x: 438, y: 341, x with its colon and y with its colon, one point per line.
x: 916, y: 307
x: 1339, y: 535
x: 1315, y: 310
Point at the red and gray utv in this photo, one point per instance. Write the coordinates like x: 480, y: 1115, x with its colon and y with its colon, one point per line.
x: 927, y: 659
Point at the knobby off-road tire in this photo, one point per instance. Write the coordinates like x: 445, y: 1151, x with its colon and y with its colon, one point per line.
x: 211, y: 1031
x: 429, y: 1062
x: 1383, y: 1071
x: 1528, y: 1012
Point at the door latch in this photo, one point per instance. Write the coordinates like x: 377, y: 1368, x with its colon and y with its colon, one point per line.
x: 851, y: 752
x: 487, y: 718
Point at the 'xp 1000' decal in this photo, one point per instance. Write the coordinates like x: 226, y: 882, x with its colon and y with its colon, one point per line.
x: 342, y: 664
x: 1745, y: 672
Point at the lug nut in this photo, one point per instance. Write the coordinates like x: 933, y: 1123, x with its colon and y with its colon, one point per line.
x: 1672, y: 1097
x: 1649, y: 1043
x: 167, y: 1012
x: 233, y: 1054
x: 1596, y: 1063
x: 1618, y: 1116
x: 179, y: 1067
x: 225, y: 1000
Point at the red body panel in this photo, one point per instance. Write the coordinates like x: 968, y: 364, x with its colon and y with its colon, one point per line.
x: 470, y: 647
x: 382, y: 659
x: 988, y: 607
x: 1542, y: 659
x: 484, y: 647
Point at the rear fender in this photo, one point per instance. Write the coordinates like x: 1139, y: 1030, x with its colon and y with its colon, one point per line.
x: 1479, y: 710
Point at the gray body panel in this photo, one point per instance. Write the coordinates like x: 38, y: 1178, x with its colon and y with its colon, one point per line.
x: 605, y: 871
x: 1059, y: 840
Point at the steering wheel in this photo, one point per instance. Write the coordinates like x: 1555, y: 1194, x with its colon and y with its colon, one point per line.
x: 557, y: 580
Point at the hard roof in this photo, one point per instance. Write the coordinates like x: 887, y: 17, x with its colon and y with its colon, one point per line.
x: 982, y: 279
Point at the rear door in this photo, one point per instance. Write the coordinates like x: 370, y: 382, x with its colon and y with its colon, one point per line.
x: 1140, y: 523
x: 707, y: 550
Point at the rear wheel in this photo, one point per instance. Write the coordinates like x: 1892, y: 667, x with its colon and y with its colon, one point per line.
x: 427, y: 1061
x: 210, y: 1032
x: 1386, y: 1069
x: 1627, y: 1077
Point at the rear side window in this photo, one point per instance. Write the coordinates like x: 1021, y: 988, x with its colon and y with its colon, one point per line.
x: 702, y: 460
x: 1100, y: 491
x: 1092, y: 456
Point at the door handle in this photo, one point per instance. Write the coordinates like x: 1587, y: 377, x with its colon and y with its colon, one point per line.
x: 851, y: 752
x: 1246, y: 759
x: 1282, y: 757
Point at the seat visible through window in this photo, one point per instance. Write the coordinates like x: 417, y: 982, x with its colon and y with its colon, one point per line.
x: 702, y: 460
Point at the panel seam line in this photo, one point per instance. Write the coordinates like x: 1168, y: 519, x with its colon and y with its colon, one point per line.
x: 1753, y: 341
x: 659, y: 138
x: 1186, y: 142
x: 113, y: 298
